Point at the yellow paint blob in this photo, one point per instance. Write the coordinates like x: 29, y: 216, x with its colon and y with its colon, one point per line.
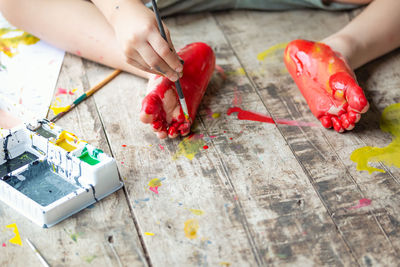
x: 216, y: 115
x: 17, y: 238
x: 271, y: 51
x: 239, y: 71
x: 57, y: 108
x: 389, y: 155
x: 196, y: 212
x: 189, y: 147
x: 9, y: 44
x: 191, y: 228
x: 155, y: 182
x: 149, y: 233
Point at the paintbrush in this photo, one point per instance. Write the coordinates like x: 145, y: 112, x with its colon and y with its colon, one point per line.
x: 177, y: 83
x: 85, y: 95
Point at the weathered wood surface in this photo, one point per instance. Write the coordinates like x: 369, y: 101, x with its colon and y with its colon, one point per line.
x: 104, y: 235
x: 261, y: 194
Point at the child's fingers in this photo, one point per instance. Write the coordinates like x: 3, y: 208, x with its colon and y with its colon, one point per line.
x: 164, y: 50
x: 157, y: 63
x: 133, y: 58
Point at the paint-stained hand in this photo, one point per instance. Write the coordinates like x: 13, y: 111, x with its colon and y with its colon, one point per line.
x: 136, y: 29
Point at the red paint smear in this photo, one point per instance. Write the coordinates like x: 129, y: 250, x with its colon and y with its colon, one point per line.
x: 123, y: 145
x: 213, y: 136
x: 4, y: 245
x: 154, y: 189
x: 62, y: 91
x: 230, y: 138
x: 253, y: 116
x: 205, y: 147
x: 122, y: 162
x: 161, y: 147
x: 364, y: 202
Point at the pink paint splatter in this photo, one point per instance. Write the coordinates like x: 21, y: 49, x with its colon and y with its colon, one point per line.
x: 221, y: 71
x: 237, y: 101
x: 78, y: 52
x: 364, y: 202
x: 62, y: 91
x: 213, y: 136
x: 122, y: 162
x: 154, y: 189
x: 4, y: 245
x: 160, y: 146
x: 254, y: 116
x: 209, y: 112
x: 101, y: 58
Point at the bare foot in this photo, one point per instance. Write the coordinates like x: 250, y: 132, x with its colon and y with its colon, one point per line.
x: 161, y: 107
x: 327, y: 83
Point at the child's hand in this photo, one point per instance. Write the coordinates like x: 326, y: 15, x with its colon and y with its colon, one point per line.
x: 136, y: 29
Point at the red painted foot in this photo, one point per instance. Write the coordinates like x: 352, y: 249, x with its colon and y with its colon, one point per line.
x: 327, y: 83
x: 161, y: 105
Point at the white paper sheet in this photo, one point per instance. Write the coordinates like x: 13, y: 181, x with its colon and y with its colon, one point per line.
x: 28, y: 78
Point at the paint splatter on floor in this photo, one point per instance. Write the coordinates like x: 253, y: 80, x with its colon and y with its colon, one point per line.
x: 205, y: 147
x: 4, y: 245
x: 389, y: 155
x: 364, y: 202
x: 273, y: 50
x: 57, y: 108
x: 75, y: 236
x: 189, y: 147
x: 11, y: 39
x: 17, y: 238
x: 63, y: 91
x: 149, y: 233
x: 196, y: 212
x: 160, y: 146
x: 254, y: 116
x: 89, y: 259
x: 216, y: 115
x: 220, y: 71
x: 191, y: 228
x: 154, y: 184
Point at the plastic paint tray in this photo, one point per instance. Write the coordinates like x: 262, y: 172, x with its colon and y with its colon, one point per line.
x: 45, y: 182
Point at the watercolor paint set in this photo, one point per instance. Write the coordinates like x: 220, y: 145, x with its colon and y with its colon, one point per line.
x: 48, y: 174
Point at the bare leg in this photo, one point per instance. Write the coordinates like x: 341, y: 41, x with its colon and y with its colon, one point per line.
x: 75, y: 26
x: 375, y: 32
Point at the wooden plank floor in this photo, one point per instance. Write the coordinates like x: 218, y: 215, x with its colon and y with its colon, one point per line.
x: 262, y: 194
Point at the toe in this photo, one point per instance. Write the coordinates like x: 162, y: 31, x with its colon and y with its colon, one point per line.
x: 162, y: 135
x: 346, y: 122
x: 345, y: 87
x: 337, y: 124
x: 326, y: 121
x: 145, y: 118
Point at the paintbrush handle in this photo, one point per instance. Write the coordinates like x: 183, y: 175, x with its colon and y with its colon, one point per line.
x: 88, y: 93
x: 102, y: 83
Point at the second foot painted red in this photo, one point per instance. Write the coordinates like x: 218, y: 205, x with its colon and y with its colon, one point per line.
x: 161, y: 105
x: 327, y: 83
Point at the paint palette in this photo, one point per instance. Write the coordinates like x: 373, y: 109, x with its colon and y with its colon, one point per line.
x: 48, y: 174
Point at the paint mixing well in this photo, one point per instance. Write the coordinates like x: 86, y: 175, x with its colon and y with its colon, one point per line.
x: 49, y: 174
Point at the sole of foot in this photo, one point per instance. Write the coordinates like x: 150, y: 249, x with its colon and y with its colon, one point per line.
x: 327, y: 83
